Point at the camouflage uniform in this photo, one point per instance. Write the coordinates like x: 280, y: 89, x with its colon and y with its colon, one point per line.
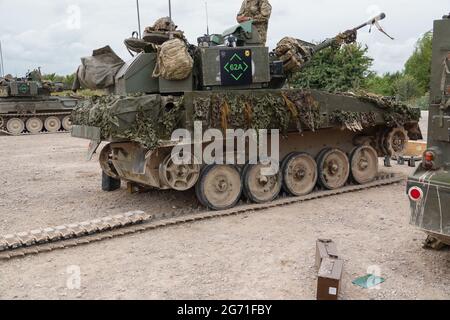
x: 259, y: 11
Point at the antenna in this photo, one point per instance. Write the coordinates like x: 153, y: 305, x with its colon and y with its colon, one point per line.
x: 2, y: 67
x: 207, y: 18
x: 139, y: 18
x: 171, y: 21
x: 170, y: 13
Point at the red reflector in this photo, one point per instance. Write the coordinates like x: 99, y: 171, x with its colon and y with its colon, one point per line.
x: 415, y: 194
x: 429, y: 156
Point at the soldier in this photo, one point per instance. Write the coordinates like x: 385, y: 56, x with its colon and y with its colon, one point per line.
x: 259, y: 11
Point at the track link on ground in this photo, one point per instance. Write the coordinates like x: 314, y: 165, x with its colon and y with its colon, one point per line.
x: 72, y: 235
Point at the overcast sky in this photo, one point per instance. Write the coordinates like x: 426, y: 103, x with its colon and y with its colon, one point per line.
x: 55, y: 34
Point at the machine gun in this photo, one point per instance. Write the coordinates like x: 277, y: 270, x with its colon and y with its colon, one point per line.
x: 350, y: 36
x: 296, y: 54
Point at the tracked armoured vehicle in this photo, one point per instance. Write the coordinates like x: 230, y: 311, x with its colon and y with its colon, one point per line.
x: 327, y: 140
x: 429, y: 187
x: 27, y: 107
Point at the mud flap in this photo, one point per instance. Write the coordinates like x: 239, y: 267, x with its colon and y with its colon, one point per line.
x: 93, y: 146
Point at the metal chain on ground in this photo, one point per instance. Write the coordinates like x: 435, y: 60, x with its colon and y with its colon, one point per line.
x: 72, y: 235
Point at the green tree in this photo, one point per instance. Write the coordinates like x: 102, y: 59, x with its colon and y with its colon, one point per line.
x: 418, y: 65
x: 53, y: 77
x: 68, y: 80
x: 407, y: 88
x: 383, y: 85
x: 336, y: 70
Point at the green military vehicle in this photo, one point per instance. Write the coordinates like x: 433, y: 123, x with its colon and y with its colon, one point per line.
x: 27, y: 107
x: 234, y: 82
x: 429, y: 187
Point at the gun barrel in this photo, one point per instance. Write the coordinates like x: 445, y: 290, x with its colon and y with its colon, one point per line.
x: 379, y: 17
x: 330, y: 42
x: 326, y: 44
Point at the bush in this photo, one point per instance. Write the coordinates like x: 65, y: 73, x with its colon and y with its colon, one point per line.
x: 336, y: 70
x: 383, y: 85
x: 406, y: 88
x: 422, y: 102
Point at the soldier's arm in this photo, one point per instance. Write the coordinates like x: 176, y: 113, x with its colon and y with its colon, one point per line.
x: 265, y: 12
x: 241, y: 11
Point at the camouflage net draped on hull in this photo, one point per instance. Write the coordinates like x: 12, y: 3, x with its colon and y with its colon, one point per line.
x: 354, y: 121
x: 150, y: 119
x: 137, y: 118
x: 395, y: 114
x: 267, y: 111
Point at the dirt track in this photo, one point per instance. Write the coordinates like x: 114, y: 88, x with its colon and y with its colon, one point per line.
x: 45, y: 181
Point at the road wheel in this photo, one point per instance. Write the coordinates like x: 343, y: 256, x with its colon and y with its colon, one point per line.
x: 364, y: 164
x: 67, y: 123
x: 395, y: 142
x: 299, y: 174
x: 261, y: 188
x: 15, y: 126
x: 219, y: 187
x: 334, y: 169
x: 52, y: 124
x: 180, y: 177
x: 110, y: 184
x: 34, y: 125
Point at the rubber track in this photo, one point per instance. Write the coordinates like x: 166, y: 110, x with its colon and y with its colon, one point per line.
x: 67, y: 236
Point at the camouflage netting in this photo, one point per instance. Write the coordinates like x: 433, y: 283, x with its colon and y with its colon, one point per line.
x: 149, y: 119
x: 268, y: 111
x: 394, y: 113
x: 137, y: 118
x: 353, y: 121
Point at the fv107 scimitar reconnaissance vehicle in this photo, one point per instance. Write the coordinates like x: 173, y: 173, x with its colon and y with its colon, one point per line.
x: 233, y: 82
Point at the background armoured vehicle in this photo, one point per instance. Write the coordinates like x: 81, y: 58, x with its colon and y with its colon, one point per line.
x: 429, y: 186
x: 329, y: 140
x: 26, y: 106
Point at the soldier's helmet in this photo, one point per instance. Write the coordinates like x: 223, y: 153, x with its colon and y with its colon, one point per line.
x: 164, y: 24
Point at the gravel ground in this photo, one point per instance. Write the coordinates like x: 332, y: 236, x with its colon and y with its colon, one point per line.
x: 45, y: 181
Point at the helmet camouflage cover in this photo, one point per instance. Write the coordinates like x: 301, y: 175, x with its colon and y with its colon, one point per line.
x: 164, y: 24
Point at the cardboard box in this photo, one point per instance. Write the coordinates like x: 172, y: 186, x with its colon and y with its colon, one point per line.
x: 329, y: 280
x: 325, y: 249
x: 415, y: 148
